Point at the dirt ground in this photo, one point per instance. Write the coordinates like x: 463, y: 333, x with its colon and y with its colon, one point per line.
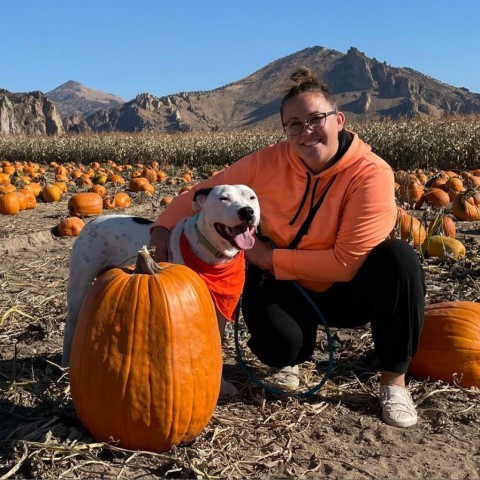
x: 335, y: 433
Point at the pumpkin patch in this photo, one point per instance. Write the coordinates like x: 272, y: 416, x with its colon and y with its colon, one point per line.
x: 48, y: 439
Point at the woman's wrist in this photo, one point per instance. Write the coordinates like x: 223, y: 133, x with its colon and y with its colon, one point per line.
x: 268, y: 262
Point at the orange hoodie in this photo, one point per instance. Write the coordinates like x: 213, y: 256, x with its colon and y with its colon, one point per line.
x: 357, y: 213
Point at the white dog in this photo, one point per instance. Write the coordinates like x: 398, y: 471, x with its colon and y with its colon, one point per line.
x: 226, y: 219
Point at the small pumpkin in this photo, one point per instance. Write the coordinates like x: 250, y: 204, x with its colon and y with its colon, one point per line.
x: 85, y: 204
x: 472, y: 181
x: 51, y: 193
x: 161, y: 176
x: 449, y: 344
x: 442, y: 225
x: 166, y: 200
x: 437, y: 181
x: 122, y: 200
x: 146, y: 360
x: 411, y: 190
x: 434, y: 197
x: 61, y: 173
x: 466, y: 205
x: 410, y: 228
x: 10, y: 203
x: 108, y: 203
x: 115, y: 178
x: 100, y: 179
x: 62, y: 186
x: 22, y: 197
x: 30, y: 198
x: 84, y: 180
x: 454, y: 184
x: 7, y: 188
x: 150, y: 174
x: 4, y: 177
x: 100, y: 189
x: 34, y: 187
x: 136, y: 182
x: 147, y: 188
x: 70, y: 226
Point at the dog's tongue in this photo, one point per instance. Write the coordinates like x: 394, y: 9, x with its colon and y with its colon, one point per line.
x: 243, y: 237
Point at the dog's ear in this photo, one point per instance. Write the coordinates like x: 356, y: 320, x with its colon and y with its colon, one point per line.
x: 199, y: 198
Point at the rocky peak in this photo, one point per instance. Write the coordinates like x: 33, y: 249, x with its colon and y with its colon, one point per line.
x: 147, y: 102
x: 352, y: 73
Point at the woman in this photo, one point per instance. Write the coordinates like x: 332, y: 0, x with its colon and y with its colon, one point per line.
x: 327, y: 206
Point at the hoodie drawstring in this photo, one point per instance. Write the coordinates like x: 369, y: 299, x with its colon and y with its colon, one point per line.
x: 304, y: 199
x: 311, y: 214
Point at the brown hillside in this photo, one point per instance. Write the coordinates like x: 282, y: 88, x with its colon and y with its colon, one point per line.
x: 365, y: 89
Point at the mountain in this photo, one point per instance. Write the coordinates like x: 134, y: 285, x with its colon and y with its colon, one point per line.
x: 74, y: 98
x: 365, y: 88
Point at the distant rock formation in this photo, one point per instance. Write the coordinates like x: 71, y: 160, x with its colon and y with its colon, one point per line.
x: 28, y: 113
x: 145, y: 113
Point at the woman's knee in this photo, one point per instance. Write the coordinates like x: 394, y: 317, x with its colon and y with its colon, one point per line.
x: 395, y: 257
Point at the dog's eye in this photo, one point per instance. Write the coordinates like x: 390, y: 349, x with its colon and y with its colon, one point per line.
x: 224, y: 199
x: 253, y: 197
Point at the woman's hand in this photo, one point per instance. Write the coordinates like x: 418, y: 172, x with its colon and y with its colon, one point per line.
x: 159, y: 241
x: 261, y: 255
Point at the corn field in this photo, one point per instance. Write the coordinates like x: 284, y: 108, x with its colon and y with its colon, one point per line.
x: 450, y: 143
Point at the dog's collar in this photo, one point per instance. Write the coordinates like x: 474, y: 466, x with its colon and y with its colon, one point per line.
x: 205, y: 242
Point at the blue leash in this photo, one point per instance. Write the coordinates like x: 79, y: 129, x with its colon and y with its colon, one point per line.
x: 277, y: 391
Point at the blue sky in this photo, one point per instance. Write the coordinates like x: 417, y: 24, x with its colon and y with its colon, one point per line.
x: 165, y: 47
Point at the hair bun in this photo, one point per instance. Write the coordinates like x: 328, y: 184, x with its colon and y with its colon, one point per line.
x: 304, y: 81
x: 303, y: 75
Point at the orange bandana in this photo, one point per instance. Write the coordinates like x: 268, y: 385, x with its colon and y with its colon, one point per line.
x: 225, y: 281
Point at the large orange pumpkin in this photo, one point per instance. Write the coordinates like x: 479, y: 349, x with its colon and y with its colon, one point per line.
x: 85, y: 204
x: 146, y: 360
x: 450, y: 344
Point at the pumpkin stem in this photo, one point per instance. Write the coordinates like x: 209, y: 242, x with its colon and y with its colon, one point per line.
x: 145, y: 263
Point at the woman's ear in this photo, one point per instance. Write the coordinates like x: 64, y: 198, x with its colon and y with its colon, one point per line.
x: 340, y: 120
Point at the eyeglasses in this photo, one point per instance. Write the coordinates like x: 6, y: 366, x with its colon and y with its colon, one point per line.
x: 315, y: 123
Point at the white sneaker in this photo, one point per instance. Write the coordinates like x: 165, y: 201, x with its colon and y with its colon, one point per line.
x: 285, y: 377
x: 397, y: 405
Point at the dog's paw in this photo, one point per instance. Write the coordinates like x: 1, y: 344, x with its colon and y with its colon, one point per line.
x: 228, y: 390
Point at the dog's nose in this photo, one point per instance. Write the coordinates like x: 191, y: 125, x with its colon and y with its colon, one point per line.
x: 246, y: 214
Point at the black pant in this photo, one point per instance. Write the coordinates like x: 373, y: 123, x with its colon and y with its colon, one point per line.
x: 388, y: 291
